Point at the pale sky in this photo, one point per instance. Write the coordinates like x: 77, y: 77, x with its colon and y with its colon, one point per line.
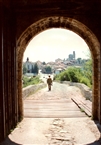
x: 55, y: 43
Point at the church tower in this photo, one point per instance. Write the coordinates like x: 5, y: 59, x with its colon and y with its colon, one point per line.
x: 73, y: 54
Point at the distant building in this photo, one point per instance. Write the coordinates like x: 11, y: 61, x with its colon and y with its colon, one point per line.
x: 59, y: 70
x: 58, y: 60
x: 29, y: 65
x: 72, y: 56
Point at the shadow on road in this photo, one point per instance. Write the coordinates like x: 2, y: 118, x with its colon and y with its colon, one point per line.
x: 7, y: 141
x: 98, y: 142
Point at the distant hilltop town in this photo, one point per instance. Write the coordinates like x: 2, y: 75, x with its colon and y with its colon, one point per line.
x: 55, y: 67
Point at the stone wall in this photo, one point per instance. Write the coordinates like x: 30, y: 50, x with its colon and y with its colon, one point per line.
x: 85, y: 90
x: 31, y: 89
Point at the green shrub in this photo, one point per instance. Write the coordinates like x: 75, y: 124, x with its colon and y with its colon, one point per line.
x: 64, y: 76
x: 87, y: 69
x: 56, y: 77
x: 86, y: 81
x: 30, y: 81
x: 74, y: 74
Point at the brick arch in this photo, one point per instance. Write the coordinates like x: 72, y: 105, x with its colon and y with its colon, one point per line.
x: 78, y: 28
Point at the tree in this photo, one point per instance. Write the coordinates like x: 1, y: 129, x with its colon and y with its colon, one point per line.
x: 24, y: 69
x: 79, y: 60
x: 32, y: 69
x: 48, y: 69
x: 44, y: 63
x: 36, y: 69
x: 88, y: 69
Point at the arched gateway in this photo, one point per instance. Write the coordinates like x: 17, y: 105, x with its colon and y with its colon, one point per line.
x: 20, y: 21
x: 78, y: 28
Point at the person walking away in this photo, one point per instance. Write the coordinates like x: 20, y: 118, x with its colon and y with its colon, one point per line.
x: 49, y: 82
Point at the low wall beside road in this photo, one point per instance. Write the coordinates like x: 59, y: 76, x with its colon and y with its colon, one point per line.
x: 32, y: 89
x: 85, y: 90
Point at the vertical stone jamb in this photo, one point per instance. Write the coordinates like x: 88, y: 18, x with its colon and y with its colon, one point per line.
x: 2, y: 107
x: 95, y: 98
x: 100, y: 86
x: 20, y: 102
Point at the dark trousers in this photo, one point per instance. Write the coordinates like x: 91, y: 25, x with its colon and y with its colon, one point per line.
x: 49, y: 87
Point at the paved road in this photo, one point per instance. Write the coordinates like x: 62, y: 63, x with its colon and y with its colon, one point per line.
x: 54, y: 103
x: 59, y: 91
x: 69, y: 126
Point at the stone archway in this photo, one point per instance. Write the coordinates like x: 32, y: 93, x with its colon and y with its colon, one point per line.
x: 78, y: 28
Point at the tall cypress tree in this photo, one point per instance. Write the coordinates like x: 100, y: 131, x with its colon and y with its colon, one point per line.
x: 36, y: 69
x: 32, y: 69
x: 24, y: 69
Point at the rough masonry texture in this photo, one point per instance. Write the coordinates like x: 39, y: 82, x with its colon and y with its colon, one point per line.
x: 31, y: 89
x: 85, y: 90
x: 20, y: 22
